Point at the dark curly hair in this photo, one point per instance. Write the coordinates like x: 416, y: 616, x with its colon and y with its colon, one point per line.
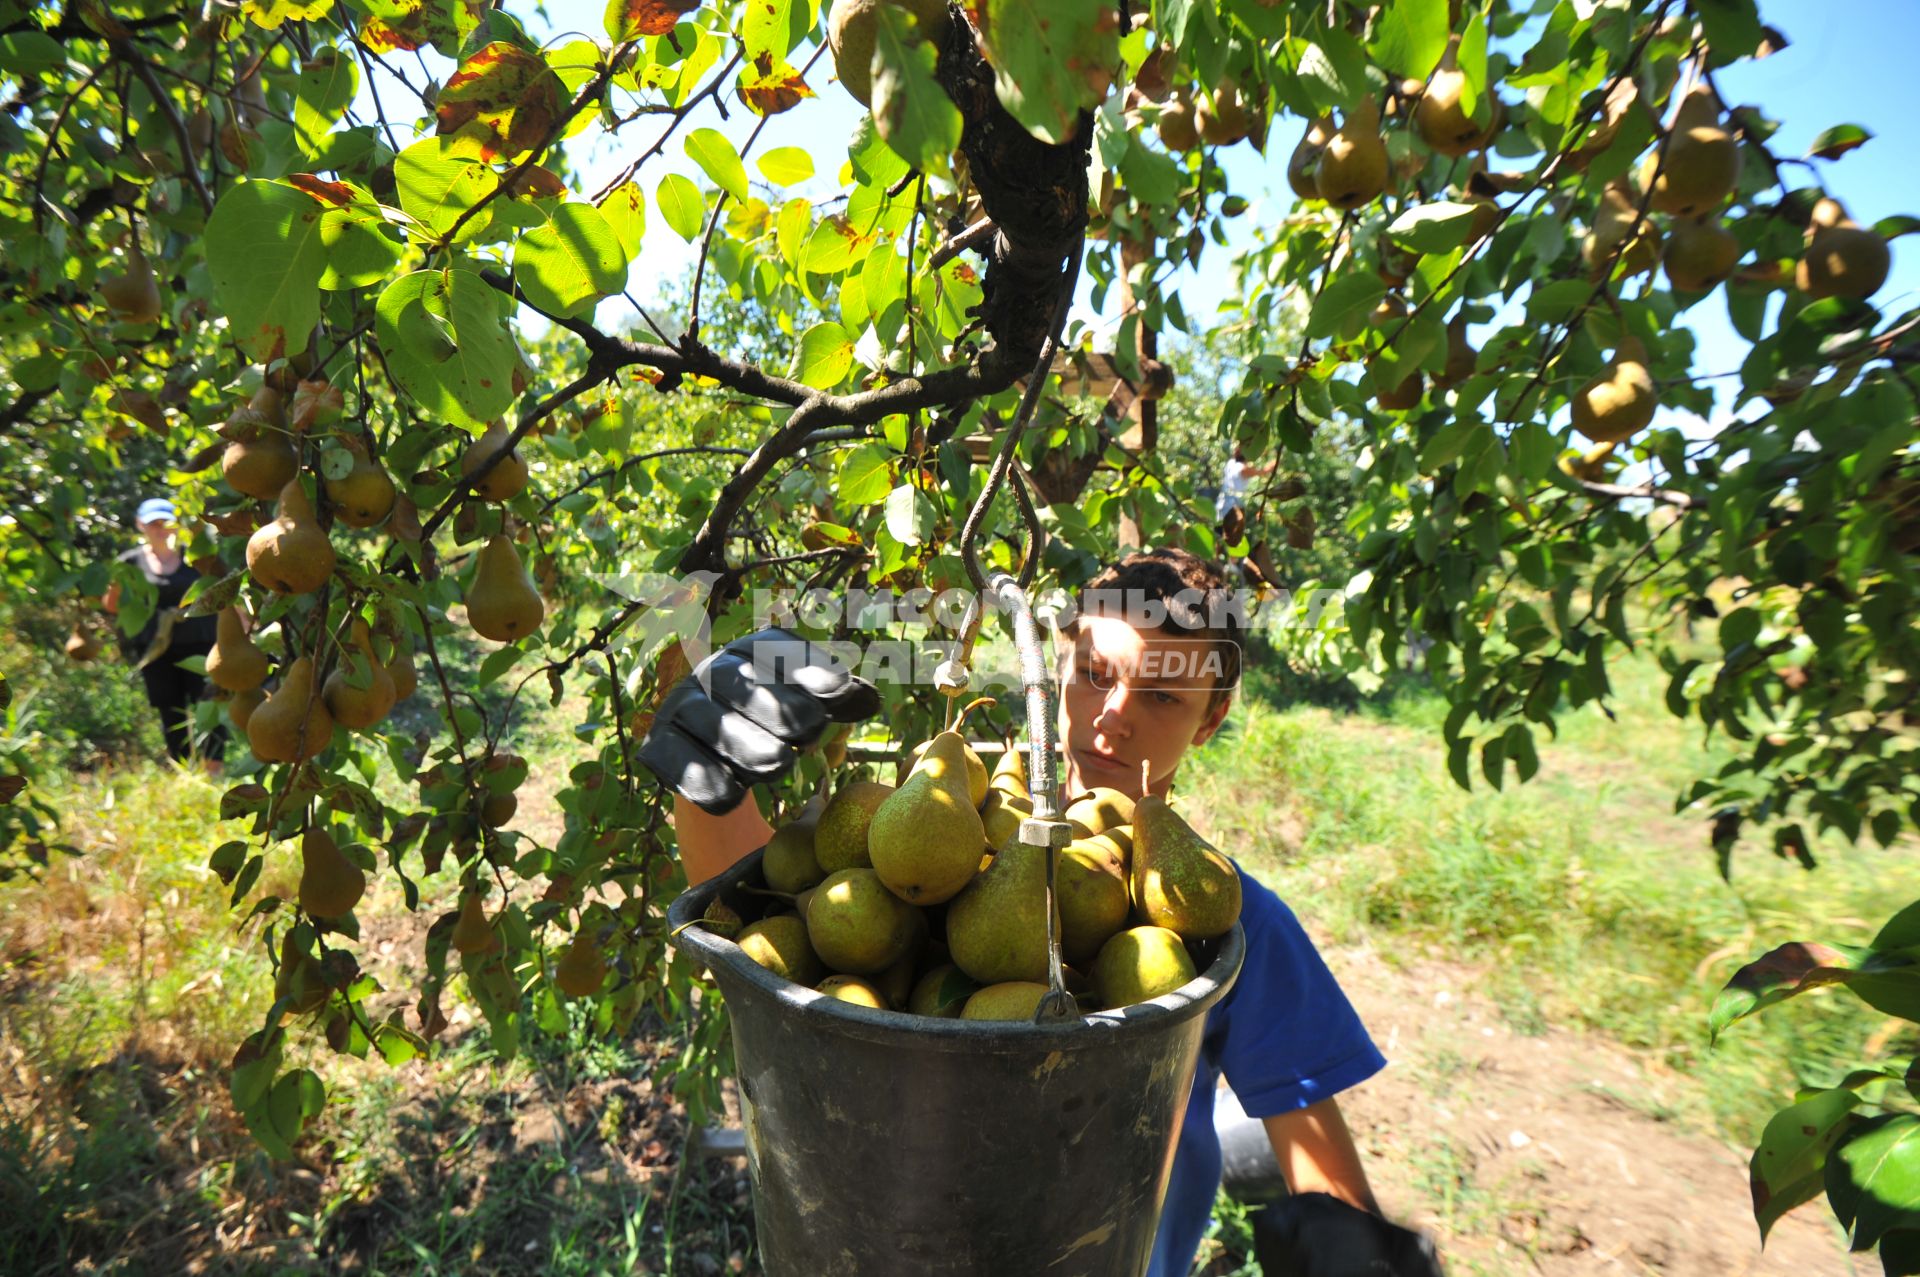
x: 1188, y: 597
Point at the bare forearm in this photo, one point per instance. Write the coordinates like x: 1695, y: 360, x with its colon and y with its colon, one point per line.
x: 709, y: 844
x: 1316, y: 1154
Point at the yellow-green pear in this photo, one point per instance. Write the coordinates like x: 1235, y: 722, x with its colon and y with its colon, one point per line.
x: 851, y: 32
x: 851, y: 988
x: 365, y: 494
x: 1306, y: 157
x: 976, y: 769
x: 1442, y: 118
x: 1099, y: 810
x: 942, y: 992
x: 330, y: 884
x: 502, y: 603
x: 1009, y: 1000
x: 291, y: 725
x: 1843, y: 259
x: 840, y: 835
x: 926, y: 837
x: 788, y: 862
x: 1617, y: 217
x: 473, y: 931
x: 259, y: 463
x: 856, y: 925
x: 1001, y: 818
x: 582, y: 968
x: 997, y: 927
x: 1619, y: 402
x: 1010, y: 776
x: 780, y: 945
x: 1353, y: 168
x: 236, y: 663
x: 291, y: 555
x: 1091, y: 886
x: 1695, y: 168
x: 1179, y: 880
x: 507, y: 479
x: 1700, y: 254
x: 359, y: 692
x: 1140, y: 964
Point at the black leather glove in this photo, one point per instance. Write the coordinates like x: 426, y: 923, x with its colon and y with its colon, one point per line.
x: 1317, y: 1235
x: 746, y: 712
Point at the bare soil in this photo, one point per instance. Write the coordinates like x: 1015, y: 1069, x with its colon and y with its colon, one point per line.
x: 1530, y: 1153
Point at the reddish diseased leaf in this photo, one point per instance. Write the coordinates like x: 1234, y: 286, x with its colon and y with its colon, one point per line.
x: 966, y: 273
x: 504, y: 96
x: 10, y: 787
x: 338, y: 194
x: 771, y: 86
x: 629, y: 19
x: 537, y: 183
x: 1796, y: 965
x: 408, y: 24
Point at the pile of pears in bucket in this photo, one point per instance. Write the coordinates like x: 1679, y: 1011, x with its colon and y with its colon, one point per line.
x: 923, y: 899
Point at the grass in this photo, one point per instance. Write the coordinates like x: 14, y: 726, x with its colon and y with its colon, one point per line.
x: 1583, y: 897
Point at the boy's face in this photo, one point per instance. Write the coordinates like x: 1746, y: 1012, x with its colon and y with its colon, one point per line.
x: 1130, y: 696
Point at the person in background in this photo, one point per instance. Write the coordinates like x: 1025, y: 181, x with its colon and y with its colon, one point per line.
x: 170, y: 636
x: 1236, y: 479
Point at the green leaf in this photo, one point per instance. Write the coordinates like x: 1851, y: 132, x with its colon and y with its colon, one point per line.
x: 26, y: 53
x: 1410, y: 37
x: 570, y: 263
x: 1873, y: 1178
x: 866, y: 476
x: 1152, y: 177
x: 326, y: 87
x: 362, y: 248
x: 1471, y: 58
x: 710, y: 149
x: 910, y: 515
x: 910, y: 109
x: 1886, y: 980
x: 1334, y: 70
x: 1732, y: 29
x: 1346, y: 297
x: 874, y: 162
x: 296, y: 1100
x: 1051, y: 59
x: 1785, y: 1169
x: 1435, y: 227
x: 272, y: 13
x: 625, y: 209
x: 786, y: 165
x: 824, y: 355
x: 439, y: 179
x: 1837, y: 141
x: 266, y: 257
x: 681, y: 203
x: 446, y: 346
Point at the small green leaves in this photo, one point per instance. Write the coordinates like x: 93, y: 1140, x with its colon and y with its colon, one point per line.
x: 571, y: 262
x: 266, y: 257
x: 1051, y: 59
x: 786, y: 165
x: 1410, y: 36
x: 683, y: 206
x: 824, y: 356
x: 1435, y: 227
x: 1837, y: 141
x: 625, y: 209
x: 866, y: 475
x: 910, y: 109
x: 446, y: 346
x: 710, y: 149
x: 1348, y: 296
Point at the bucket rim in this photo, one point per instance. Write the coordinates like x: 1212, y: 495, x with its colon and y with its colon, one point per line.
x: 720, y: 954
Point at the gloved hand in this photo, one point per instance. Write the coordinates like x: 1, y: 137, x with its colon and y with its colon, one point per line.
x: 746, y: 712
x: 1317, y: 1235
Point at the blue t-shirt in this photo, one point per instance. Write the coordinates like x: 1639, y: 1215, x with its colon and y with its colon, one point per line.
x: 1285, y: 1036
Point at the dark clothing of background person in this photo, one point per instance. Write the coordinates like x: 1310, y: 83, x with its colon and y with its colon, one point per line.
x: 171, y: 690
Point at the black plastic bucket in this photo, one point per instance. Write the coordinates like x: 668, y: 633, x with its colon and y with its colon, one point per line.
x: 889, y: 1145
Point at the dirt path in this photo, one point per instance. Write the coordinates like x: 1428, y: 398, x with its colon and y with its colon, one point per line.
x: 1525, y: 1154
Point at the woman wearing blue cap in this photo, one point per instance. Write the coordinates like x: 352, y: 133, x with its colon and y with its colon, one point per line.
x: 170, y: 636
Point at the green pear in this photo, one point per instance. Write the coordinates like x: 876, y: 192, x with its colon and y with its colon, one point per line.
x: 1010, y: 776
x: 942, y: 992
x: 1010, y: 1000
x: 1180, y: 881
x: 1140, y: 964
x: 840, y: 835
x: 1091, y: 887
x: 1099, y: 810
x: 788, y: 862
x: 926, y: 838
x: 851, y: 988
x: 1001, y: 818
x: 997, y: 927
x: 780, y: 945
x: 976, y: 769
x: 856, y: 925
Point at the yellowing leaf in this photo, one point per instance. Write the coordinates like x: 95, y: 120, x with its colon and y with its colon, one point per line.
x: 506, y: 97
x: 825, y: 354
x: 681, y: 204
x: 625, y: 209
x: 631, y: 19
x: 710, y: 149
x: 271, y: 13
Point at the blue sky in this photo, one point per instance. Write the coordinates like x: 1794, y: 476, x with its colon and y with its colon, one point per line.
x: 1848, y: 62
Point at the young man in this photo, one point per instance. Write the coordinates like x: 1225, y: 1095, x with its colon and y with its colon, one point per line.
x: 1152, y: 660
